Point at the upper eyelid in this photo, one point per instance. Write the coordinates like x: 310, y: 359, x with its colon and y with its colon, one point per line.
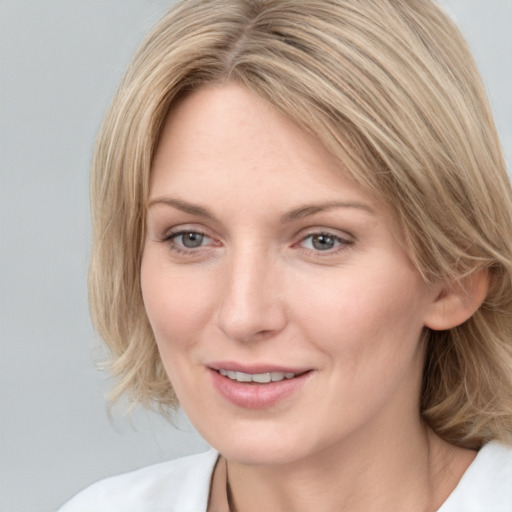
x: 340, y: 239
x: 175, y: 234
x: 318, y: 230
x: 299, y: 235
x: 180, y: 229
x: 330, y: 232
x: 170, y: 241
x: 326, y: 233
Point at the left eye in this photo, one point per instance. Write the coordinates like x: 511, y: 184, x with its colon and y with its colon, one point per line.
x: 190, y: 239
x: 322, y: 241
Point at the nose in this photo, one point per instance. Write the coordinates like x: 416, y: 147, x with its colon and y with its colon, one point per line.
x: 251, y: 306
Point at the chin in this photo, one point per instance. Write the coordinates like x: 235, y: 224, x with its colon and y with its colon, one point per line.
x: 262, y: 455
x: 260, y: 449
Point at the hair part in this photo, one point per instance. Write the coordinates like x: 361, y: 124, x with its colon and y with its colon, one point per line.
x: 391, y: 89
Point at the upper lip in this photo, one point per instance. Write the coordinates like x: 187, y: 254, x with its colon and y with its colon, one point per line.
x: 254, y: 368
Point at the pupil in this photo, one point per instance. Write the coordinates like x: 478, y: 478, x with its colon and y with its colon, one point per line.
x: 191, y: 240
x: 323, y: 242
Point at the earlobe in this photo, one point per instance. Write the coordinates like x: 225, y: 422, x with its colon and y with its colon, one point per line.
x: 456, y: 303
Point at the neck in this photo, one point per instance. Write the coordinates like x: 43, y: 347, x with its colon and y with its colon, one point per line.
x: 403, y: 472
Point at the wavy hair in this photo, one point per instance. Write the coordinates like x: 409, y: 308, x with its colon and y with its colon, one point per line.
x: 390, y: 88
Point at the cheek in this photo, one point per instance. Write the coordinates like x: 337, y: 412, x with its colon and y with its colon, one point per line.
x: 363, y: 314
x: 177, y: 303
x: 368, y: 328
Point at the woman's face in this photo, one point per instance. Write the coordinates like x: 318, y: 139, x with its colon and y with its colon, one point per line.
x: 263, y: 261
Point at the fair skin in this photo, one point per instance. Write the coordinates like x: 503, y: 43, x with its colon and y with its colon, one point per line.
x: 262, y: 256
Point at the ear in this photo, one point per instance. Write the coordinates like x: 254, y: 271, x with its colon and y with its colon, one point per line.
x: 457, y: 302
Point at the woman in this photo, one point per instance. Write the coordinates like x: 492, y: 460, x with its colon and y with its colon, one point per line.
x: 303, y: 234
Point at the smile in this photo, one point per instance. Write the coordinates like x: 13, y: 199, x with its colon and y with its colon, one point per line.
x: 259, y: 378
x: 256, y: 388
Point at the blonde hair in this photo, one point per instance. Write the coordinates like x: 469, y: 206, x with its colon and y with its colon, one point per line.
x: 390, y: 87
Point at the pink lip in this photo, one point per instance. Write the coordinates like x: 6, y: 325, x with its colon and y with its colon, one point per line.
x: 252, y: 395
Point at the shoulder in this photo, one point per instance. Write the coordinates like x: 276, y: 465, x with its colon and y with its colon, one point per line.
x: 486, y: 486
x: 180, y: 485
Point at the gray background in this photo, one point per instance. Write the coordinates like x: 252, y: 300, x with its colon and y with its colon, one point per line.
x: 60, y: 61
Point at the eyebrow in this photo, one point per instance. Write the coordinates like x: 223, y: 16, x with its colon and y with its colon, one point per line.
x: 293, y: 215
x: 184, y: 206
x: 305, y: 211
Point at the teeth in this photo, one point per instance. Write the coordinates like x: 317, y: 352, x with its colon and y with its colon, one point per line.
x: 241, y: 377
x: 260, y: 378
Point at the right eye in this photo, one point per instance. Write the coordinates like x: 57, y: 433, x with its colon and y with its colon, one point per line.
x: 187, y: 241
x: 322, y: 242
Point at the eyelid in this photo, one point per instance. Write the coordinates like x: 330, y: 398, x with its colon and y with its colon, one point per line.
x: 174, y: 236
x: 185, y: 228
x: 169, y: 233
x: 344, y: 241
x: 322, y: 230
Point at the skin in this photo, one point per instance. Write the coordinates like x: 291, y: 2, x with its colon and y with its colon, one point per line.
x: 260, y: 288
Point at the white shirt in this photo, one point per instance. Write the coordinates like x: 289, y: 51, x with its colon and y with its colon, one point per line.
x: 486, y: 486
x: 183, y: 485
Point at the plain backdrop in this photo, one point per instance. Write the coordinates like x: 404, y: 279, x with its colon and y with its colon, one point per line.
x: 60, y: 61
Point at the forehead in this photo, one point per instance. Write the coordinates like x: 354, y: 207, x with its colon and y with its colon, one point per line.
x: 224, y: 136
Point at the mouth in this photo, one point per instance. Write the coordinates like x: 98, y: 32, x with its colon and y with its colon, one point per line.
x: 257, y: 386
x: 258, y: 378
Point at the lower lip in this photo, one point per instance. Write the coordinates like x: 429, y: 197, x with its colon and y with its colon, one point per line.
x: 253, y: 395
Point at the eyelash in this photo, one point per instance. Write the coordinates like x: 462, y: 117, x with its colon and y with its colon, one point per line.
x: 341, y: 243
x: 170, y: 240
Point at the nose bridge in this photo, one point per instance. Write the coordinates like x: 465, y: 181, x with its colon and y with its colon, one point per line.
x: 251, y: 302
